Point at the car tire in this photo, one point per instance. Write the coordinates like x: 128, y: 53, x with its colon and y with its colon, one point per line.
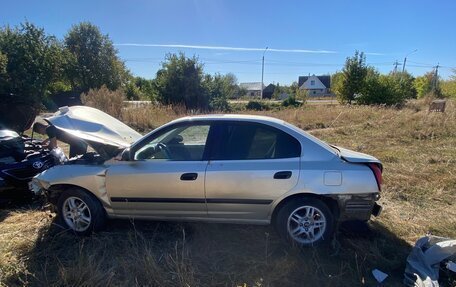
x: 80, y: 211
x: 305, y: 222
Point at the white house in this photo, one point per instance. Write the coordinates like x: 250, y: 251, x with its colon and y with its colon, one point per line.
x: 253, y: 89
x: 315, y: 86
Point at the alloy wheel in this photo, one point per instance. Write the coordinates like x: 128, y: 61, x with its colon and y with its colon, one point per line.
x: 306, y: 224
x: 76, y: 214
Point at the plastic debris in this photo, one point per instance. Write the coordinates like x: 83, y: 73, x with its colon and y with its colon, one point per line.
x: 423, y: 262
x: 379, y: 275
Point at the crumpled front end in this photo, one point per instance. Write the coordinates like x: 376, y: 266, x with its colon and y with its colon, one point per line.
x: 54, y: 180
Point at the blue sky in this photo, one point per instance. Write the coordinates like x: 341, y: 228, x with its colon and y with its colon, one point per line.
x: 321, y: 34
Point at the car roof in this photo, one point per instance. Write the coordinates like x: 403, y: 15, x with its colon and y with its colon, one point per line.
x: 232, y: 117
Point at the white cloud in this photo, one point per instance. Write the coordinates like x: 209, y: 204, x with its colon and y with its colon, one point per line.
x: 244, y: 49
x: 374, y: 54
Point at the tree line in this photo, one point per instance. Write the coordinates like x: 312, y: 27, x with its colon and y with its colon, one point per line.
x: 35, y: 66
x: 363, y: 84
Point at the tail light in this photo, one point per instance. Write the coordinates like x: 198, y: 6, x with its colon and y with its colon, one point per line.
x: 377, y: 170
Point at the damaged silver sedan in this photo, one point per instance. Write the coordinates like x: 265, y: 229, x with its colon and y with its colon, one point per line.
x: 214, y: 168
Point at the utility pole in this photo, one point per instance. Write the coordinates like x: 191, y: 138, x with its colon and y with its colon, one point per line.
x: 435, y: 79
x: 395, y: 67
x: 405, y: 59
x: 262, y: 73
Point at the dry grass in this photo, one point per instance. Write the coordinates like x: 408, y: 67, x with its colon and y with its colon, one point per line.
x: 110, y: 102
x: 419, y: 196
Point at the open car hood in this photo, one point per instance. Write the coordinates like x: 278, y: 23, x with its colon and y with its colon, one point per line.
x: 95, y: 127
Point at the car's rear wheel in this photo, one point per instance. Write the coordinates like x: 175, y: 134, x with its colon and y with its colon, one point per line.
x: 305, y: 222
x: 80, y: 211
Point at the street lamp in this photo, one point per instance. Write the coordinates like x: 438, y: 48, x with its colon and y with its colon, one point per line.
x: 405, y: 59
x: 262, y: 73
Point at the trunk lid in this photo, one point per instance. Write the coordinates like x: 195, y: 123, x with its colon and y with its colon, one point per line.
x: 356, y: 157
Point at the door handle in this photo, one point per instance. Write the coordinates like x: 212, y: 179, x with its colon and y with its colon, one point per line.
x: 282, y: 175
x: 189, y: 176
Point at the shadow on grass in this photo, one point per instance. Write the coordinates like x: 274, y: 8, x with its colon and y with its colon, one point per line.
x: 141, y: 253
x: 11, y: 202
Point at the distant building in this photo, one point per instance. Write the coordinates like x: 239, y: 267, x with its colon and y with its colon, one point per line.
x: 316, y: 86
x: 268, y: 91
x: 252, y: 89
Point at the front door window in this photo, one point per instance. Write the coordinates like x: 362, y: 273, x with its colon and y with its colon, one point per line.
x: 184, y: 143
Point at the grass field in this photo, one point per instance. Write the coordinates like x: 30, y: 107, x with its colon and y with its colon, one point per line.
x: 417, y: 149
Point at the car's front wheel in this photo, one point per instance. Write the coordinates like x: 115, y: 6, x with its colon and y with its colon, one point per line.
x: 305, y: 222
x: 80, y: 211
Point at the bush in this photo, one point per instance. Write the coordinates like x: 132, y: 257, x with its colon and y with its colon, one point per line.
x: 392, y: 89
x: 291, y: 102
x: 449, y: 88
x: 256, y: 106
x: 104, y: 99
x: 219, y: 104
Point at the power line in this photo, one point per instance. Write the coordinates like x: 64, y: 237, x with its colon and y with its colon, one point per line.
x: 294, y: 65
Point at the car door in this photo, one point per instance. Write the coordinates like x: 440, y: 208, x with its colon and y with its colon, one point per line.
x: 251, y: 165
x: 165, y: 176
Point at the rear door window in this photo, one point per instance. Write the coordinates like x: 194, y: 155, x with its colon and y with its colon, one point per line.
x: 249, y: 141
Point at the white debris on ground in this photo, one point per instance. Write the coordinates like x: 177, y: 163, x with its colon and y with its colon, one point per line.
x: 423, y: 262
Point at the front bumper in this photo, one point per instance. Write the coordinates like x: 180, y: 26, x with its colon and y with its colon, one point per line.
x: 35, y: 187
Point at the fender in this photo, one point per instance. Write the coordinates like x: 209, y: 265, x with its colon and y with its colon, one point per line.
x: 76, y: 175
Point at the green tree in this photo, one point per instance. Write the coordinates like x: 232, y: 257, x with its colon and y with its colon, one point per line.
x: 93, y: 60
x: 353, y: 76
x: 147, y: 88
x: 423, y: 84
x: 132, y: 92
x: 337, y: 81
x: 180, y: 82
x: 3, y: 62
x: 449, y: 86
x: 219, y: 89
x: 30, y: 60
x: 277, y: 91
x: 405, y: 85
x: 392, y: 89
x: 293, y: 89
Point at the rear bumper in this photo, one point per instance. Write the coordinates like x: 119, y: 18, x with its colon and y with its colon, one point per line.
x: 377, y: 210
x: 358, y: 206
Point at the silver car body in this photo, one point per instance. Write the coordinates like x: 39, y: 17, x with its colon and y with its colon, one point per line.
x: 236, y: 191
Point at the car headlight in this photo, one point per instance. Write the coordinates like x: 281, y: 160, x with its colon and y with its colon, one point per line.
x: 35, y: 187
x: 59, y: 155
